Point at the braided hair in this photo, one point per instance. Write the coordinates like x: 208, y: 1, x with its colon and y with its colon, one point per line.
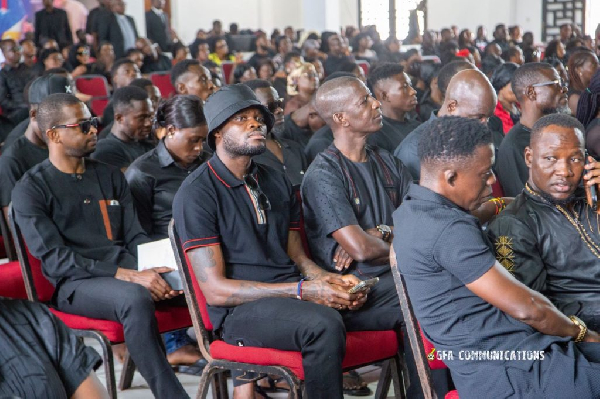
x: 589, y: 102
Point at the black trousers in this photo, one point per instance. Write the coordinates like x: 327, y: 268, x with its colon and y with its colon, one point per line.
x: 318, y: 332
x: 131, y: 305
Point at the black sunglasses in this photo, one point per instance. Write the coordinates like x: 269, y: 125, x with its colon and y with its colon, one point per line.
x: 85, y: 125
x: 275, y: 105
x: 263, y: 202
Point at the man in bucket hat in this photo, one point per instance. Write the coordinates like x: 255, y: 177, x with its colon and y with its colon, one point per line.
x: 239, y: 224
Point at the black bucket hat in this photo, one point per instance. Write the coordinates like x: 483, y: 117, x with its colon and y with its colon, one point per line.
x: 228, y: 101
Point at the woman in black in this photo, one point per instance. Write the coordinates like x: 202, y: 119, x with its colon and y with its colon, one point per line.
x: 588, y: 113
x: 155, y: 177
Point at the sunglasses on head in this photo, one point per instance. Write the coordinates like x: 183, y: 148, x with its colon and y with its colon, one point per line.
x: 83, y: 52
x: 85, y: 125
x: 275, y: 105
x: 263, y: 202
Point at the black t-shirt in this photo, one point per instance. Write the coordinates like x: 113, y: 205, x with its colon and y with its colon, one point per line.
x: 14, y: 162
x: 318, y: 143
x: 440, y: 249
x: 332, y: 63
x: 18, y: 131
x: 337, y: 193
x: 392, y: 133
x: 408, y: 152
x: 150, y: 65
x: 79, y: 225
x: 121, y: 154
x: 39, y: 356
x: 510, y: 163
x: 294, y: 161
x: 293, y: 132
x: 154, y: 179
x: 213, y: 207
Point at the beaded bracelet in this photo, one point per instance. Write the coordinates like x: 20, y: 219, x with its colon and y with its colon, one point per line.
x: 499, y: 203
x: 299, y: 289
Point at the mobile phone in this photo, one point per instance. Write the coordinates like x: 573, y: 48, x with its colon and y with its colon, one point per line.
x: 173, y: 279
x: 591, y: 192
x: 363, y: 285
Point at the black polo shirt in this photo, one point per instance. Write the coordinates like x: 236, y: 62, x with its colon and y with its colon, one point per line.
x: 79, y: 225
x: 337, y: 192
x: 119, y: 153
x: 154, y: 178
x: 14, y: 134
x: 441, y: 248
x: 294, y: 161
x: 39, y: 356
x: 510, y: 165
x: 14, y: 162
x: 213, y: 207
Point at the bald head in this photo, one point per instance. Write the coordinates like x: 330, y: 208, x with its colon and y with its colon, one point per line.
x: 470, y: 95
x: 333, y: 96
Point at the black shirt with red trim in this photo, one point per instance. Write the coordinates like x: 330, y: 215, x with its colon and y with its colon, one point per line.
x: 213, y: 207
x: 337, y: 193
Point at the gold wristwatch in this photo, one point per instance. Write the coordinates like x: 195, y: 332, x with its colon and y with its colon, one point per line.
x: 582, y: 328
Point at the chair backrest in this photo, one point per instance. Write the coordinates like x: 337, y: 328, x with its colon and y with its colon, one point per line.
x: 98, y: 105
x: 227, y: 67
x: 36, y: 284
x: 94, y: 85
x: 365, y: 66
x: 413, y: 330
x: 9, y: 246
x: 193, y: 294
x: 162, y: 80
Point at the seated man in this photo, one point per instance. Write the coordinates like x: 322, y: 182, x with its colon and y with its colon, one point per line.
x: 539, y: 91
x: 122, y: 74
x: 133, y: 124
x: 393, y: 89
x: 14, y: 76
x: 239, y: 223
x: 470, y: 94
x: 77, y: 217
x: 548, y: 237
x: 29, y: 149
x: 41, y: 358
x: 189, y: 77
x: 287, y: 156
x: 154, y: 60
x: 498, y: 337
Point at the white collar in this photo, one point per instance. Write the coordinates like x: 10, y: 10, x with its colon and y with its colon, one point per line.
x: 157, y: 11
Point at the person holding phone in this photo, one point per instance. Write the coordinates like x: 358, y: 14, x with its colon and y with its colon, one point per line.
x: 548, y: 238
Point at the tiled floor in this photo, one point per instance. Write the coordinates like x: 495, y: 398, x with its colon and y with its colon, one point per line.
x: 139, y: 388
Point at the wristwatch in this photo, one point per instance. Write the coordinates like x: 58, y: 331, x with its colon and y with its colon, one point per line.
x: 385, y: 231
x: 582, y: 328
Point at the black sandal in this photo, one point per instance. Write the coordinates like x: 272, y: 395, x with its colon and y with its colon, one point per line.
x: 358, y: 388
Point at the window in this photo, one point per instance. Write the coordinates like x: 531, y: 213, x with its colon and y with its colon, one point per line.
x: 378, y: 13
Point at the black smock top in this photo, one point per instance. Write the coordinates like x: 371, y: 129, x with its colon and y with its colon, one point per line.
x: 154, y: 179
x: 79, y: 225
x: 213, y: 207
x: 337, y: 192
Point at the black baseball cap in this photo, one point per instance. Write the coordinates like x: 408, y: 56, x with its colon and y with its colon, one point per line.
x: 43, y: 86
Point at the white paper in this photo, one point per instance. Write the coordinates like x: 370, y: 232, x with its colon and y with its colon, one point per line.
x: 156, y: 254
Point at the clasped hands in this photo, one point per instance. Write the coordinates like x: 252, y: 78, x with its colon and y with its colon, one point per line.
x: 151, y: 280
x: 331, y: 290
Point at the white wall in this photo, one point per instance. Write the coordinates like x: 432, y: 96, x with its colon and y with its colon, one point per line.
x: 187, y: 16
x: 489, y: 13
x: 135, y: 8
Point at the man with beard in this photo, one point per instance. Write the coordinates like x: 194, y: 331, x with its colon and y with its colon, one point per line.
x: 77, y: 217
x: 540, y: 91
x: 564, y: 267
x: 238, y: 221
x: 133, y: 123
x: 285, y: 155
x: 504, y: 337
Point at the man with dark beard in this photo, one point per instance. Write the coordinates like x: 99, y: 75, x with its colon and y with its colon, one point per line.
x: 540, y: 91
x: 77, y: 217
x: 564, y: 267
x: 284, y: 155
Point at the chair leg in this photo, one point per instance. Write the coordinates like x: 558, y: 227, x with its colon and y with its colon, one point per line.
x: 107, y: 357
x: 400, y: 378
x: 385, y: 380
x: 222, y: 385
x: 205, y: 381
x: 127, y: 372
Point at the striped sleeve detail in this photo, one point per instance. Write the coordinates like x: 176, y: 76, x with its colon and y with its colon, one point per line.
x: 201, y: 242
x: 294, y: 225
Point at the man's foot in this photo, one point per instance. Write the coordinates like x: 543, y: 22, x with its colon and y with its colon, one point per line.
x: 187, y: 360
x: 249, y: 391
x: 119, y: 352
x: 354, y: 385
x: 273, y: 384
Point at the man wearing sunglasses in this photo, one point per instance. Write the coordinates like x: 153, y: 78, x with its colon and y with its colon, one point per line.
x: 77, y: 217
x: 239, y: 224
x: 13, y: 78
x: 539, y: 91
x: 285, y: 155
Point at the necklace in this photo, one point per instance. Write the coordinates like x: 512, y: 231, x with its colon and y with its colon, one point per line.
x: 574, y: 220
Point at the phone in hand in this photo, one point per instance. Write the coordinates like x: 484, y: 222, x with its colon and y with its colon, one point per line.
x: 363, y: 285
x: 591, y: 192
x: 173, y: 278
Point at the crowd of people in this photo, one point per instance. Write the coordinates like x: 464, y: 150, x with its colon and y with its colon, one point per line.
x: 331, y: 138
